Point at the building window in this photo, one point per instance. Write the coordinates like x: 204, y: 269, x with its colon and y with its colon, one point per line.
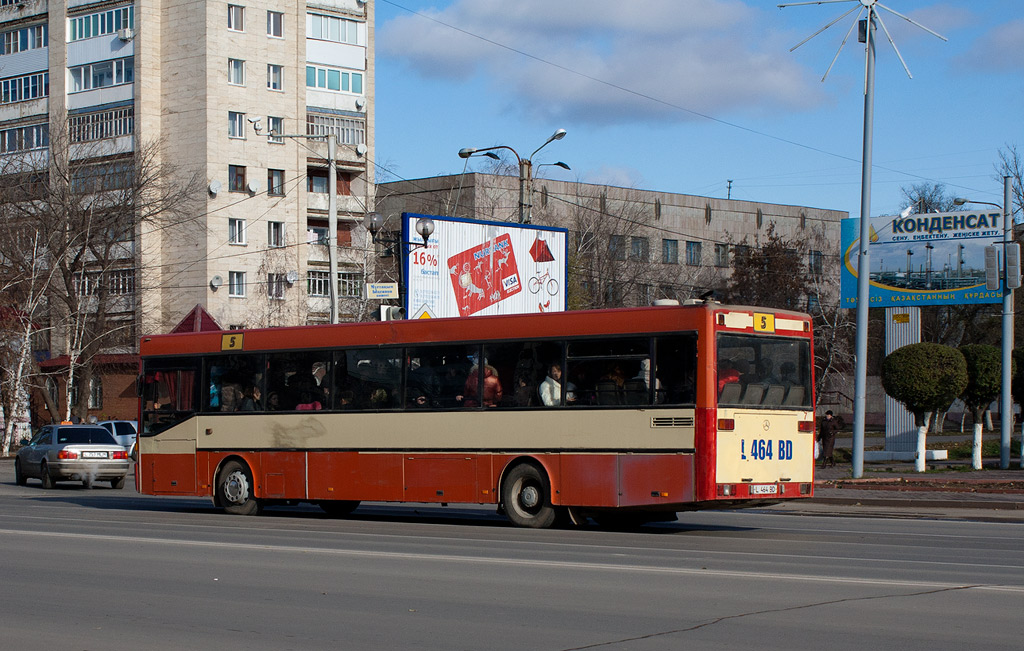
x: 693, y: 254
x: 275, y: 183
x: 236, y: 72
x: 102, y: 74
x: 236, y: 18
x: 275, y: 24
x: 348, y: 131
x: 350, y: 285
x: 236, y: 231
x: 102, y: 23
x: 640, y: 249
x: 275, y: 234
x: 318, y: 283
x: 25, y: 38
x: 275, y: 77
x: 329, y: 28
x: 236, y: 124
x: 721, y: 255
x: 19, y: 89
x: 122, y: 282
x: 813, y: 303
x: 36, y: 136
x: 317, y: 234
x: 670, y: 251
x: 104, y: 177
x: 275, y: 286
x: 275, y: 125
x: 333, y: 79
x: 236, y: 284
x: 617, y: 247
x: 816, y: 263
x: 103, y: 124
x: 316, y: 182
x: 236, y: 178
x: 95, y: 393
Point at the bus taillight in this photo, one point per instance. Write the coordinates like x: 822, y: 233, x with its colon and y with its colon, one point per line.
x: 726, y: 490
x: 727, y: 424
x: 806, y: 426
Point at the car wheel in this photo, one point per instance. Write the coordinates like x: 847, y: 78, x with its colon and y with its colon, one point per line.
x: 526, y: 496
x: 234, y: 490
x: 19, y: 477
x: 117, y: 484
x: 44, y: 475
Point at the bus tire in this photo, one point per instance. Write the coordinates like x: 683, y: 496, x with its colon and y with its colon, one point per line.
x: 526, y: 497
x: 338, y: 508
x: 234, y: 490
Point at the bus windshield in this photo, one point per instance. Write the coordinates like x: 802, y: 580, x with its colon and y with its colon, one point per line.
x: 764, y: 372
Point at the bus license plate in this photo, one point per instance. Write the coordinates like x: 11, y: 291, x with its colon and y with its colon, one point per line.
x: 763, y: 489
x: 94, y: 455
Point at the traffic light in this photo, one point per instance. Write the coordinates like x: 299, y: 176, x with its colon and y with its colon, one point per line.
x: 992, y: 270
x: 391, y: 313
x: 1012, y: 266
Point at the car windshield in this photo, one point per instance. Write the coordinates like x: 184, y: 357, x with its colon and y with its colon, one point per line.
x: 84, y: 435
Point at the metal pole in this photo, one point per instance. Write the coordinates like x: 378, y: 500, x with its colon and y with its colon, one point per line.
x: 1006, y: 399
x: 332, y: 220
x: 524, y: 189
x: 863, y: 262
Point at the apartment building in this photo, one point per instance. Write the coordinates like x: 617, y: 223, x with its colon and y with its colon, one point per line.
x: 241, y: 94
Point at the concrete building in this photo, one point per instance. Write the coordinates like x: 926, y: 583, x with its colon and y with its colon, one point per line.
x: 205, y: 84
x: 628, y: 246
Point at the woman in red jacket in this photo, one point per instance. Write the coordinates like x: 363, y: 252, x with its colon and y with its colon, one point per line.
x: 492, y: 387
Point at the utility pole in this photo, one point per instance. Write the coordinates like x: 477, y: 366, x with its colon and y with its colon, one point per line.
x: 729, y: 189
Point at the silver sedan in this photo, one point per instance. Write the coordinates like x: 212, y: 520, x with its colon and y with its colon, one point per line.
x: 84, y: 453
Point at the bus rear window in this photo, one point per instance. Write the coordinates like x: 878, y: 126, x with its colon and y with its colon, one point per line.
x: 764, y: 372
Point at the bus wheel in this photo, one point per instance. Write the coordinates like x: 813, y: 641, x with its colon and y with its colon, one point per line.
x: 527, y: 498
x: 234, y: 488
x: 338, y: 508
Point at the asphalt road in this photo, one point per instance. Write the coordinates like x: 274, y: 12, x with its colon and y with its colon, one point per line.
x: 108, y: 569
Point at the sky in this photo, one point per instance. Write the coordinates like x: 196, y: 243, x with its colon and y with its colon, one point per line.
x: 684, y: 95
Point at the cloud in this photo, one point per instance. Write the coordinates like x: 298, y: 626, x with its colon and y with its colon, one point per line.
x: 603, y: 62
x: 999, y: 50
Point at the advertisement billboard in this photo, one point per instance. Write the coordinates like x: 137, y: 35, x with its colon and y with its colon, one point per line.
x: 926, y: 259
x: 471, y: 268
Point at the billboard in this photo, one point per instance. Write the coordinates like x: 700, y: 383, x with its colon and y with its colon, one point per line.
x: 471, y: 268
x: 926, y: 259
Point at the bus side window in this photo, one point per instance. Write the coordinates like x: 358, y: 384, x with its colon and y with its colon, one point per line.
x: 676, y: 369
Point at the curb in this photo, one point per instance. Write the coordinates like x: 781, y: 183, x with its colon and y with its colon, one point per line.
x: 905, y: 503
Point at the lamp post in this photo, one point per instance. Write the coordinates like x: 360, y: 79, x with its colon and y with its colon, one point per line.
x: 1005, y: 399
x: 374, y: 223
x: 525, y: 174
x: 468, y: 153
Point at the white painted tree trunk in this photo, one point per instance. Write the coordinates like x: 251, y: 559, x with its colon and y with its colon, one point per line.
x: 976, y: 448
x: 922, y: 434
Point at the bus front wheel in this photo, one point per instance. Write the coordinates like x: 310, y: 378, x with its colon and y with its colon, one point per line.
x: 526, y: 496
x: 234, y: 490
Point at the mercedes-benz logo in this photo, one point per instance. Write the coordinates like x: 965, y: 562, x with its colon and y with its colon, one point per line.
x: 766, y: 425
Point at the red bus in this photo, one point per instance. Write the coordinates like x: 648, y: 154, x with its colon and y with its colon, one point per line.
x: 612, y: 414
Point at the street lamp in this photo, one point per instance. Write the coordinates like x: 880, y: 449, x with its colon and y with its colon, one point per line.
x: 468, y: 153
x: 1005, y: 399
x: 525, y: 176
x: 374, y: 223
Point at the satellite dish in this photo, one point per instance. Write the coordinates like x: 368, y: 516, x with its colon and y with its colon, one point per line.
x: 361, y: 149
x: 214, y: 187
x: 360, y: 103
x: 254, y: 187
x: 291, y: 277
x: 216, y: 282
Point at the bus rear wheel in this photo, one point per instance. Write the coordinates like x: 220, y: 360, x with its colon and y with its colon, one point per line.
x: 338, y: 508
x: 234, y: 490
x: 526, y: 496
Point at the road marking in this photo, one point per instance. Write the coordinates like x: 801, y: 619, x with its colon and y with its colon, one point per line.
x: 570, y: 565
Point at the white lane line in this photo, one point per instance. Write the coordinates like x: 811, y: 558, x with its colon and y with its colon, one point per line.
x: 571, y: 565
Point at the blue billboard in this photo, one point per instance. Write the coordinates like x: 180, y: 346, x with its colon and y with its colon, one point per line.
x: 926, y: 259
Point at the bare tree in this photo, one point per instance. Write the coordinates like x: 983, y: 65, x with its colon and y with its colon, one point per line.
x: 927, y: 197
x: 1011, y: 164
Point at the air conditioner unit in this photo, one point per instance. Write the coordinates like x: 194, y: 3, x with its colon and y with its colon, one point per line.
x: 126, y: 33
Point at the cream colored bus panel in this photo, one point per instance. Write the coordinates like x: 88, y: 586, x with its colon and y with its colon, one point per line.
x: 764, y: 447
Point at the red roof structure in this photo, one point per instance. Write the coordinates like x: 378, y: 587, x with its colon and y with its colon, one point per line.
x: 197, y: 320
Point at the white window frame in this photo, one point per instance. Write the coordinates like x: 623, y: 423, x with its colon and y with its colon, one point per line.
x: 275, y: 235
x: 318, y: 283
x: 236, y: 231
x: 83, y: 78
x: 276, y: 284
x: 273, y: 122
x: 236, y: 72
x: 350, y: 284
x: 236, y: 125
x: 236, y: 18
x: 275, y: 24
x: 275, y: 77
x: 321, y: 77
x: 236, y: 284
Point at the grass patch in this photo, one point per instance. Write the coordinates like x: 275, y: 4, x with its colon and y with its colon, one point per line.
x: 962, y: 449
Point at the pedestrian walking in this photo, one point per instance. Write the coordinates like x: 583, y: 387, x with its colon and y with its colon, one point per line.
x: 827, y: 436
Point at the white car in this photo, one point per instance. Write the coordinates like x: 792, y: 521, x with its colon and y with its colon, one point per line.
x: 84, y: 453
x: 125, y: 433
